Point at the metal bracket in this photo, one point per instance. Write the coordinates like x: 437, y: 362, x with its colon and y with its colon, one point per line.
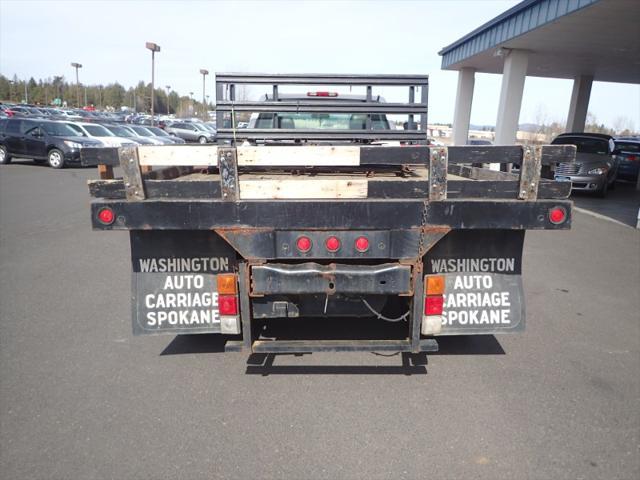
x: 530, y: 173
x: 228, y: 165
x: 133, y: 184
x: 417, y: 307
x: 438, y: 161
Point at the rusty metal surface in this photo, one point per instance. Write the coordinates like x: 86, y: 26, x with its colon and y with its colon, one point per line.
x: 438, y: 160
x: 530, y: 173
x: 132, y: 176
x: 310, y: 278
x: 228, y: 164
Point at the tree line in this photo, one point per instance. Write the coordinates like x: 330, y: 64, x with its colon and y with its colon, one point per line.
x: 58, y: 91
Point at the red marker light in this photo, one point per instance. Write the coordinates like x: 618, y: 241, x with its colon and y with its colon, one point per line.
x: 322, y: 94
x: 106, y: 216
x: 433, y: 305
x: 362, y: 244
x: 303, y: 244
x: 557, y: 215
x: 332, y: 244
x: 228, y: 304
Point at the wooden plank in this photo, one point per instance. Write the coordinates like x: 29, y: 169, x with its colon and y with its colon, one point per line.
x: 485, y: 154
x: 298, y: 156
x: 302, y: 189
x: 552, y: 154
x: 179, y: 155
x: 91, y: 157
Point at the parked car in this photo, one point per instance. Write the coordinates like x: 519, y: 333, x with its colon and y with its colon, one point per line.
x: 143, y: 132
x: 596, y: 166
x: 124, y: 132
x: 93, y: 130
x: 161, y: 133
x: 41, y: 140
x: 191, y: 132
x: 628, y: 150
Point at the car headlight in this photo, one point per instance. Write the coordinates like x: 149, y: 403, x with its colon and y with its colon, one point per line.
x: 598, y: 171
x: 71, y: 144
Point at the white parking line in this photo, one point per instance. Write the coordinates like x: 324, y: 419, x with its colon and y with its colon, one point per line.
x: 600, y: 216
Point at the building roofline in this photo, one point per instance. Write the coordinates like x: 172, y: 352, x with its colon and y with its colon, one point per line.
x: 494, y: 21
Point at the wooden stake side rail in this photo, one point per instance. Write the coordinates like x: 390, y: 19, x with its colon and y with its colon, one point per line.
x: 232, y: 162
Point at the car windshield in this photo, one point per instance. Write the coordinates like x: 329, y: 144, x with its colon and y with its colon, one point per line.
x: 143, y: 132
x: 59, y: 130
x: 585, y: 144
x: 98, y: 131
x: 200, y: 127
x: 120, y: 131
x: 158, y: 131
x: 322, y: 121
x: 628, y: 147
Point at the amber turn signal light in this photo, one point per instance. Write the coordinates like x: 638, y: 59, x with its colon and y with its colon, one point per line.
x: 227, y: 284
x: 435, y: 285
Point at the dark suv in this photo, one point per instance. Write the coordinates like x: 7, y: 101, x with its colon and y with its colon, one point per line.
x: 41, y: 140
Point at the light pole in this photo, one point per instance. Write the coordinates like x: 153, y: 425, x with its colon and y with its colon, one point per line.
x: 11, y: 82
x: 191, y: 104
x: 204, y: 105
x: 26, y: 94
x: 154, y: 48
x: 168, y: 87
x: 77, y: 66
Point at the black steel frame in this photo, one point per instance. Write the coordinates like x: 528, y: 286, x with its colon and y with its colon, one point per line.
x: 226, y: 103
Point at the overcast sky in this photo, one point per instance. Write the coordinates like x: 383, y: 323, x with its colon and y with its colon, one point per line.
x: 40, y: 39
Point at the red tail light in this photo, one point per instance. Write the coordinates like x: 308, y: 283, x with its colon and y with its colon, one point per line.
x: 433, y: 305
x: 633, y: 158
x: 332, y: 244
x: 106, y: 216
x: 557, y: 215
x: 303, y: 244
x: 362, y: 244
x: 228, y: 304
x: 322, y: 94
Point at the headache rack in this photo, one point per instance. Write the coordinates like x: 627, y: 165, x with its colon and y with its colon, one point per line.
x: 228, y: 107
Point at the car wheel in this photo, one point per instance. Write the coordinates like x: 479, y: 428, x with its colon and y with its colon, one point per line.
x: 603, y: 191
x: 55, y: 158
x: 202, y: 140
x: 4, y: 155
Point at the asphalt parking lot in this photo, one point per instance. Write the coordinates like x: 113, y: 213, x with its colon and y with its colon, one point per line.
x: 81, y: 398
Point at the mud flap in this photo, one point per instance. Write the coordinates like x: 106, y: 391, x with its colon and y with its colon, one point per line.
x: 173, y: 284
x: 481, y: 278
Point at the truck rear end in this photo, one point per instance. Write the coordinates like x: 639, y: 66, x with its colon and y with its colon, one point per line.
x: 345, y: 227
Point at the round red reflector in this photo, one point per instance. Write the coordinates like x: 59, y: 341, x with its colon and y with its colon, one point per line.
x: 557, y: 215
x: 362, y: 244
x: 303, y: 244
x: 332, y: 244
x: 106, y: 216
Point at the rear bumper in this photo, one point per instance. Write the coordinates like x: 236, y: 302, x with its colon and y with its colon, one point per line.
x: 313, y: 278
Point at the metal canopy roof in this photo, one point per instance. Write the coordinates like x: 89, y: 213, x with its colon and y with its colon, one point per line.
x: 564, y: 38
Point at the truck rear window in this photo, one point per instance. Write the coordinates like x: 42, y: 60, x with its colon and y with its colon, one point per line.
x: 322, y: 121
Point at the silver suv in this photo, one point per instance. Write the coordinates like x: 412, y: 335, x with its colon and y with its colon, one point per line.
x: 191, y: 132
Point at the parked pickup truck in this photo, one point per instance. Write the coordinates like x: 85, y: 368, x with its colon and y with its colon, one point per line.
x: 319, y: 211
